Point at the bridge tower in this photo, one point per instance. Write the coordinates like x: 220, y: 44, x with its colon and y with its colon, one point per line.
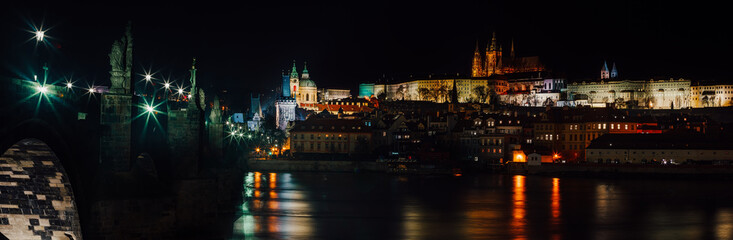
x: 116, y: 108
x: 185, y: 132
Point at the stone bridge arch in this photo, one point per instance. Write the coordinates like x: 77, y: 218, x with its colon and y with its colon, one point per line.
x: 40, y: 167
x: 37, y: 195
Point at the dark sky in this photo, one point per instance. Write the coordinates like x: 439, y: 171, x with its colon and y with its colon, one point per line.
x: 244, y: 46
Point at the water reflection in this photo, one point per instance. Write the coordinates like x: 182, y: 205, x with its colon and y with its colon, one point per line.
x: 363, y: 206
x: 555, y: 198
x: 724, y: 224
x: 265, y: 215
x: 518, y: 223
x: 555, y: 209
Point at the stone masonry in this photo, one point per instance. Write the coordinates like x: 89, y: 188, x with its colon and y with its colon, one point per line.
x: 116, y: 132
x: 184, y: 140
x: 36, y: 198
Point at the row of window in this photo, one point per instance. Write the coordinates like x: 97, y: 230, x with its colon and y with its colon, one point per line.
x: 483, y: 141
x: 653, y: 152
x: 318, y: 136
x: 326, y: 146
x: 570, y: 137
x: 598, y: 126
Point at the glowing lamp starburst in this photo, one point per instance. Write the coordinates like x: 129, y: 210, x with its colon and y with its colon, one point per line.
x: 148, y: 77
x: 167, y: 85
x: 40, y: 35
x: 149, y: 109
x: 42, y: 89
x: 180, y: 91
x: 91, y: 90
x: 69, y: 85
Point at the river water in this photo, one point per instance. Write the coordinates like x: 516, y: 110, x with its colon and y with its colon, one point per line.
x: 380, y: 206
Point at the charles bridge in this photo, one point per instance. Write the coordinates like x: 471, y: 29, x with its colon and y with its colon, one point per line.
x: 86, y: 163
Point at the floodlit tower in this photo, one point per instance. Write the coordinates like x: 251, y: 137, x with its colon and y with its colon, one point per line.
x: 492, y: 57
x: 604, y: 71
x: 477, y: 68
x: 614, y: 72
x: 294, y: 81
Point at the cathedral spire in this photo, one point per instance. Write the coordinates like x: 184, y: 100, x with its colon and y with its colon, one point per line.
x: 294, y: 71
x: 604, y: 71
x: 493, y: 42
x: 477, y: 65
x: 511, y: 53
x: 614, y: 72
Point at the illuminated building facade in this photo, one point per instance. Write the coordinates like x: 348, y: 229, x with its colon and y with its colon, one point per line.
x: 331, y: 94
x: 569, y: 131
x: 667, y: 148
x: 718, y: 95
x: 494, y: 63
x: 285, y: 105
x: 653, y: 94
x: 436, y: 90
x: 328, y: 135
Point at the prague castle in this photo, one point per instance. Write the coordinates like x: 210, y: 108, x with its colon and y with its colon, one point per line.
x: 493, y: 62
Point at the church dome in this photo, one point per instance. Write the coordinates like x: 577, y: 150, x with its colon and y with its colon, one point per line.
x: 307, y: 83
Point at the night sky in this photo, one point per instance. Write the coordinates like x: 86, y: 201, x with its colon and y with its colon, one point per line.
x: 244, y: 47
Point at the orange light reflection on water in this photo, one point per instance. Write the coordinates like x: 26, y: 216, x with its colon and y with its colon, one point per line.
x: 273, y: 180
x: 555, y: 209
x: 258, y: 179
x: 555, y: 198
x: 518, y: 223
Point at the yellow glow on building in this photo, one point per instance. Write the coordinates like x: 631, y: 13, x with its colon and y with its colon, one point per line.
x: 519, y: 156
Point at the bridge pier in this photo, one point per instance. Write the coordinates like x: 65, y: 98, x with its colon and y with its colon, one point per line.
x: 116, y: 132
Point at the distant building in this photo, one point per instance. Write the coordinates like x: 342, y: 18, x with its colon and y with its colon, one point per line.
x: 711, y: 95
x: 494, y: 63
x: 655, y: 94
x: 308, y: 92
x: 331, y: 94
x: 285, y: 105
x: 330, y: 135
x: 667, y: 148
x: 256, y: 120
x: 436, y: 90
x: 569, y: 131
x: 238, y: 118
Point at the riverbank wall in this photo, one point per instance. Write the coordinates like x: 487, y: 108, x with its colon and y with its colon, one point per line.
x: 589, y: 169
x: 312, y: 166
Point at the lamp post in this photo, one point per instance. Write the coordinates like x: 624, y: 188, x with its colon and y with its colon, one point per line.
x: 40, y: 34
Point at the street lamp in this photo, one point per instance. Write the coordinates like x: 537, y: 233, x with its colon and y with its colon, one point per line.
x: 69, y: 85
x: 40, y: 35
x: 148, y: 77
x: 42, y: 89
x: 149, y: 109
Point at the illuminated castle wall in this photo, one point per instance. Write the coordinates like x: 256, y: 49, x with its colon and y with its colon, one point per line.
x: 719, y: 95
x: 656, y: 94
x: 435, y: 90
x: 494, y: 63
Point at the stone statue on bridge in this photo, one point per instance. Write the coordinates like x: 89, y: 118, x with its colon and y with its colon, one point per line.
x: 121, y: 63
